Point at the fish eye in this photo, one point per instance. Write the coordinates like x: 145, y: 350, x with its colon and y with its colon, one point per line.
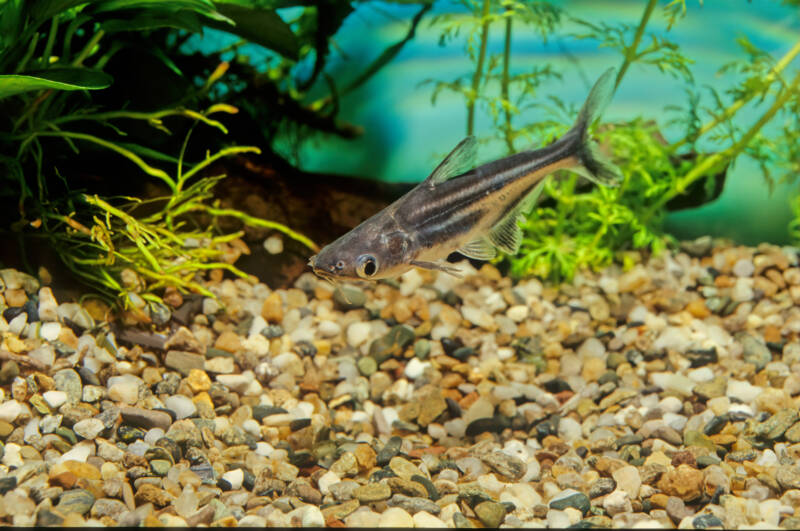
x: 340, y: 265
x: 366, y: 266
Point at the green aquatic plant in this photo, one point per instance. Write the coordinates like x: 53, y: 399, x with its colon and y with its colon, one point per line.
x: 96, y: 87
x: 576, y: 226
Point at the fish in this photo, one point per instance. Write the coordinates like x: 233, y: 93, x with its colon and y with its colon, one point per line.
x: 467, y: 208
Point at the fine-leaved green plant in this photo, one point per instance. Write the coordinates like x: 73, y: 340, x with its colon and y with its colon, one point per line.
x: 576, y: 226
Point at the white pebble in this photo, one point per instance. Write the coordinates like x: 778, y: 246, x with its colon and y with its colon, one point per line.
x: 670, y: 404
x: 9, y: 411
x: 31, y: 432
x: 395, y: 517
x: 79, y: 452
x: 617, y: 502
x: 505, y: 353
x: 55, y: 399
x: 591, y: 348
x: 252, y: 521
x: 477, y: 317
x: 415, y: 368
x: 569, y: 429
x: 673, y: 382
x: 46, y: 354
x: 702, y: 374
x: 18, y: 323
x: 264, y: 449
x: 252, y: 427
x: 88, y: 428
x: 138, y: 448
x: 234, y: 477
x: 357, y: 334
x: 50, y: 330
x: 424, y: 519
x: 237, y: 383
x: 12, y: 455
x: 743, y: 290
x: 517, y: 313
x: 210, y: 306
x: 329, y: 328
x: 274, y: 245
x: 312, y: 516
x: 742, y: 390
x: 48, y: 306
x: 181, y: 405
x: 153, y: 435
x: 557, y: 519
x: 326, y: 480
x: 744, y: 268
x: 127, y: 392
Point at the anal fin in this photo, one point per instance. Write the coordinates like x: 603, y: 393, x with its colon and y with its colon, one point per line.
x: 480, y: 249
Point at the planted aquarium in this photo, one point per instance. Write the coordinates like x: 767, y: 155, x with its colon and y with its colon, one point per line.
x: 440, y: 263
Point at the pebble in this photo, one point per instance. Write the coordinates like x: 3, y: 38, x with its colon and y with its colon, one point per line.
x: 88, y: 428
x: 395, y: 517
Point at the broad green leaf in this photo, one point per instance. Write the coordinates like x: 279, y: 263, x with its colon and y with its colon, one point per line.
x: 260, y: 26
x: 10, y: 22
x: 56, y: 79
x: 185, y: 20
x: 203, y: 7
x: 41, y: 10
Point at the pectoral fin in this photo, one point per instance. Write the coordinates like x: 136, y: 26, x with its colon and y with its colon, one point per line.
x: 506, y: 234
x: 438, y: 266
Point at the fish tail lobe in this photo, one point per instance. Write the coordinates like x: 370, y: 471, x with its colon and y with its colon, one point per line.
x: 593, y: 164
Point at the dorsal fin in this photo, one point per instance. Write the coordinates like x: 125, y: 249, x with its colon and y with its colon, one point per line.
x: 458, y: 161
x: 506, y: 234
x: 479, y: 249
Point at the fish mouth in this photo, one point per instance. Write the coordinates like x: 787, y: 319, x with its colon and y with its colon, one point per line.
x: 319, y: 271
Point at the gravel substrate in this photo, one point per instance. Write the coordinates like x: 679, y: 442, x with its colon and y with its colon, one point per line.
x: 662, y: 396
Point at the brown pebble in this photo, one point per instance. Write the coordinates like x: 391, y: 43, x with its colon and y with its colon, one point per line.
x: 272, y: 309
x: 229, y: 342
x: 684, y: 482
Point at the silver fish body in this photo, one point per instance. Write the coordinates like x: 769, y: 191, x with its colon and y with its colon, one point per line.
x: 459, y: 207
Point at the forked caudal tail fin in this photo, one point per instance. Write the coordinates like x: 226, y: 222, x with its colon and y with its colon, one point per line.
x: 593, y: 164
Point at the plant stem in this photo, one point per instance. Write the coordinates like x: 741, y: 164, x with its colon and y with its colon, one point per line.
x: 738, y: 104
x: 476, y: 78
x: 258, y: 222
x: 507, y: 130
x: 630, y: 51
x: 87, y: 50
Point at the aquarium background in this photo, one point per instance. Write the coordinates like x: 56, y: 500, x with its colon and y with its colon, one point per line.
x: 405, y: 135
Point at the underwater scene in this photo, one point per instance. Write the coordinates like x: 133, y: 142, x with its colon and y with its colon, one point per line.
x: 401, y: 263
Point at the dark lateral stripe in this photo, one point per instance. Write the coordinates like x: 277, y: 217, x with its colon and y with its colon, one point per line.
x: 449, y: 197
x: 441, y: 230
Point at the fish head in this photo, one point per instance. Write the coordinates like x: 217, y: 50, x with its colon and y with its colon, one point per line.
x: 365, y: 253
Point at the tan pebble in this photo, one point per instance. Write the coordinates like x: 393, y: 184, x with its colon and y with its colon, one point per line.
x: 401, y: 311
x: 229, y: 342
x: 684, y: 482
x: 198, y: 380
x: 772, y: 334
x: 73, y: 520
x: 68, y: 337
x: 16, y: 297
x: 698, y: 309
x: 365, y: 456
x: 272, y: 309
x: 593, y: 369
